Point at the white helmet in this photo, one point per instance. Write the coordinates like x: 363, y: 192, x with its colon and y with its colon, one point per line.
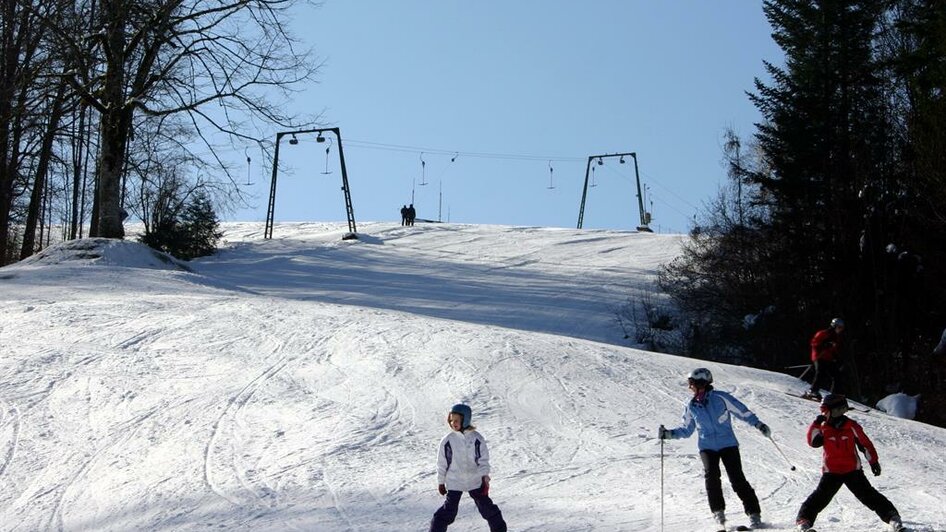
x: 700, y: 374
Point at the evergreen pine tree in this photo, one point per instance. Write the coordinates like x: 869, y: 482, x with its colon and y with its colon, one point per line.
x: 846, y: 197
x: 823, y: 141
x: 200, y: 225
x: 189, y: 233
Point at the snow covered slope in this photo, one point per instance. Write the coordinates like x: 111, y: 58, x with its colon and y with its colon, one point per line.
x: 302, y: 383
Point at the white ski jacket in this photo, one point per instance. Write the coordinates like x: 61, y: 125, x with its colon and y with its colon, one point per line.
x: 462, y: 460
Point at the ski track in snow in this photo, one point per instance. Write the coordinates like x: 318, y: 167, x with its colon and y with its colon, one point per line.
x: 9, y: 434
x: 301, y: 383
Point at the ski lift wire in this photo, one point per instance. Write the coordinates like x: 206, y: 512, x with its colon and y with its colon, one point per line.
x: 651, y: 179
x: 457, y: 153
x: 447, y: 167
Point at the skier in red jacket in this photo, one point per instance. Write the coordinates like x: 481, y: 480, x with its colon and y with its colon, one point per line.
x: 841, y: 438
x: 825, y: 357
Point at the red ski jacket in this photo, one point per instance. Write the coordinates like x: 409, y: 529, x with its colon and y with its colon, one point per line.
x: 825, y: 345
x: 841, y: 439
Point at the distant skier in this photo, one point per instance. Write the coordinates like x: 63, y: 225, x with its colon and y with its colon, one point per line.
x: 841, y: 438
x: 463, y: 465
x: 404, y: 215
x: 411, y: 214
x: 826, y: 358
x: 710, y: 412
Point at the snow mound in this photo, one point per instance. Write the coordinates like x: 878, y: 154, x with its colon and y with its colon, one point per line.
x: 899, y: 405
x: 105, y: 252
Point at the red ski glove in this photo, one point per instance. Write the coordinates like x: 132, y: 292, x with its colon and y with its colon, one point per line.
x: 442, y: 489
x: 485, y: 487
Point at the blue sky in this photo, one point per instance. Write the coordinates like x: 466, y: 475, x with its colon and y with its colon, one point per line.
x: 515, y: 88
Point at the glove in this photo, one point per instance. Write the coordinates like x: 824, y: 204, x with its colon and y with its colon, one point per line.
x: 663, y: 433
x: 820, y: 419
x: 764, y: 429
x: 485, y: 486
x: 875, y: 469
x: 442, y: 489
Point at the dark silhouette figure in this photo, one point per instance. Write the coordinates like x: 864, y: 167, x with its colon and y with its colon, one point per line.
x: 411, y: 214
x: 404, y: 215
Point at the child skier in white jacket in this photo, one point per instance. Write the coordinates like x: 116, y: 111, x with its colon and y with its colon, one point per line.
x: 463, y: 465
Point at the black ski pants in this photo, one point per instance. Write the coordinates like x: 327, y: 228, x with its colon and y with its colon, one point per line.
x: 714, y: 486
x: 855, y: 481
x: 445, y: 515
x: 826, y: 372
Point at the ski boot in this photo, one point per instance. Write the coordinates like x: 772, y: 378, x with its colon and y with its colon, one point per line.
x: 895, y: 524
x: 755, y: 521
x: 720, y: 517
x: 803, y: 525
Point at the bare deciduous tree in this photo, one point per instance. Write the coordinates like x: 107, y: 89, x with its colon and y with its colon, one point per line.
x: 20, y: 59
x: 219, y: 62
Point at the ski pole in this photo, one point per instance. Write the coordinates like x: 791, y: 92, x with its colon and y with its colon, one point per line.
x: 661, y: 484
x: 807, y: 369
x: 779, y: 449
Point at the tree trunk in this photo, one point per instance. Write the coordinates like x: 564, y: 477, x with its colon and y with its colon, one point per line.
x: 42, y: 169
x: 8, y: 70
x: 78, y: 151
x: 113, y: 134
x: 113, y: 126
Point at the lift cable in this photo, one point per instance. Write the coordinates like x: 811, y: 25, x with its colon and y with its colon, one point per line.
x: 455, y: 153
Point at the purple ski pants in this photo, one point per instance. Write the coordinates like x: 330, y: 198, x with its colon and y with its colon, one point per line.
x: 445, y: 515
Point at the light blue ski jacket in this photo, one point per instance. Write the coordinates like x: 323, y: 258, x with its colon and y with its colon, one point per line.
x: 712, y: 419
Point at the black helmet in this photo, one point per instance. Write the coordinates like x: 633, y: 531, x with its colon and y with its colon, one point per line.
x: 835, y: 404
x: 837, y: 322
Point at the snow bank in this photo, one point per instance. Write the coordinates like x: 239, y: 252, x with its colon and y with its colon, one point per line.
x: 105, y: 252
x: 899, y: 405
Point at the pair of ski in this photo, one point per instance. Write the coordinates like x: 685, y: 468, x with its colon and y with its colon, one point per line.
x: 742, y: 528
x: 901, y: 530
x: 818, y: 400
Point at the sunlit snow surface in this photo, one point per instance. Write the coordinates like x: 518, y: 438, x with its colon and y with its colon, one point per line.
x: 302, y: 383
